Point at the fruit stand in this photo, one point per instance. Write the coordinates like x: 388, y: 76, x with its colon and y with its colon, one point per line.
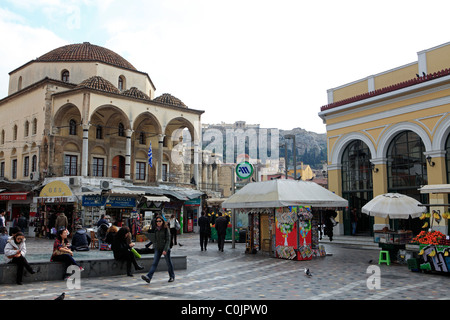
x: 432, y: 252
x: 393, y: 241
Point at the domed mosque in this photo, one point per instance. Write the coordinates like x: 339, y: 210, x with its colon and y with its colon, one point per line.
x: 87, y: 112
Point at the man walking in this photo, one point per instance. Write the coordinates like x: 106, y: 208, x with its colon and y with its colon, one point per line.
x: 221, y: 227
x: 205, y: 230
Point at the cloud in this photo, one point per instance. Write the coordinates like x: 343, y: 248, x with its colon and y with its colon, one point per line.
x: 23, y: 43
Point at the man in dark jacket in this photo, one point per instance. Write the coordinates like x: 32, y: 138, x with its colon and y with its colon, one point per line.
x: 80, y: 240
x: 205, y: 230
x: 221, y: 227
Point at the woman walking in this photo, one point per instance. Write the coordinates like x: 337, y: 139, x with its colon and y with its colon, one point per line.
x: 161, y: 241
x: 15, y: 251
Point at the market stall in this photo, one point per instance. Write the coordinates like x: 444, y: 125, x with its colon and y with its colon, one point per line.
x: 394, y: 206
x: 431, y: 248
x: 281, y: 216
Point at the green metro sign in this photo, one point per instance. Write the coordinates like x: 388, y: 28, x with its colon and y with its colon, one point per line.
x: 244, y: 170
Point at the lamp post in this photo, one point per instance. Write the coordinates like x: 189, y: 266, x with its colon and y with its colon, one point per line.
x: 294, y: 150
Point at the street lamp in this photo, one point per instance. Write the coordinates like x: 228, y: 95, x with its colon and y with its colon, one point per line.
x: 294, y: 150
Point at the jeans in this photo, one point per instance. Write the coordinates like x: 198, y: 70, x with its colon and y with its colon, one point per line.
x: 21, y: 263
x: 156, y: 258
x: 67, y: 259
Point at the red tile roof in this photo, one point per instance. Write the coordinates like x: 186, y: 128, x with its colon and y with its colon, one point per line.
x: 394, y: 87
x: 99, y: 83
x: 85, y: 52
x: 167, y: 98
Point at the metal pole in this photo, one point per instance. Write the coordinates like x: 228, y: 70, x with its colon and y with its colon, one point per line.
x: 294, y: 150
x: 233, y: 216
x: 285, y: 160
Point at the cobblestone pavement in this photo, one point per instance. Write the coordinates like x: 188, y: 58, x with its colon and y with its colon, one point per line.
x: 344, y: 274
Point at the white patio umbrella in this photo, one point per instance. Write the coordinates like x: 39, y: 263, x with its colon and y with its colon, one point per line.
x: 394, y: 206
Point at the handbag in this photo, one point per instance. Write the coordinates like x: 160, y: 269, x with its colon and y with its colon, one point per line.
x: 177, y: 225
x: 136, y: 254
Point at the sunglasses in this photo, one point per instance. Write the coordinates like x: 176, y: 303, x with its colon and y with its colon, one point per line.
x: 158, y: 220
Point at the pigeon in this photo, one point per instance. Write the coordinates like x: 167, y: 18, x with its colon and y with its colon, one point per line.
x: 61, y: 296
x: 308, y: 273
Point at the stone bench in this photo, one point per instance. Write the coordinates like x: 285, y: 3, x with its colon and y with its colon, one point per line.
x: 93, y: 267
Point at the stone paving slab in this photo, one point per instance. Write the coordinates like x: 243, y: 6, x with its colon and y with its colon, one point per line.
x: 234, y: 275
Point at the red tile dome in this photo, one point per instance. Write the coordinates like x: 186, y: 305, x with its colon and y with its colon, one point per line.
x: 167, y: 98
x: 99, y: 83
x: 135, y: 93
x: 86, y: 52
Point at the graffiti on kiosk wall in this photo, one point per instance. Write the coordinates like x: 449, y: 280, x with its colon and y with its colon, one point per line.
x: 436, y: 258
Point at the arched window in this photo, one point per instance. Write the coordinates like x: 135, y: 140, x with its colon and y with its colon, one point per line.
x: 357, y: 185
x: 34, y: 163
x: 65, y: 76
x: 99, y: 132
x: 142, y: 138
x: 26, y: 128
x: 407, y: 165
x: 121, y: 129
x: 121, y: 83
x: 356, y: 167
x: 406, y: 172
x: 15, y: 132
x: 72, y: 127
x: 34, y: 131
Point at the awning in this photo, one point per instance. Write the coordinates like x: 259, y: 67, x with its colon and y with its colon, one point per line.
x: 283, y: 193
x: 13, y: 196
x: 157, y: 198
x: 435, y: 188
x: 215, y: 201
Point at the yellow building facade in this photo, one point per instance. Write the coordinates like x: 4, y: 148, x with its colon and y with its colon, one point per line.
x: 389, y: 132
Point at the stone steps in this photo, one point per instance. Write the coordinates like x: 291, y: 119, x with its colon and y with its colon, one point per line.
x: 362, y: 242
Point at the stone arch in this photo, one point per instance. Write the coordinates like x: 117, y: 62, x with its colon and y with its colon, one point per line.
x: 389, y: 134
x: 344, y: 141
x: 441, y: 134
x: 62, y: 118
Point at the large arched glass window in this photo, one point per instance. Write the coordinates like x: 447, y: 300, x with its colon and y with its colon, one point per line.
x: 356, y: 167
x: 357, y: 186
x: 406, y: 173
x: 407, y: 167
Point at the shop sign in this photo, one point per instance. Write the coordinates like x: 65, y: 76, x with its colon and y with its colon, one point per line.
x: 244, y: 170
x: 54, y: 199
x: 111, y: 202
x: 193, y: 202
x: 56, y: 189
x: 13, y: 196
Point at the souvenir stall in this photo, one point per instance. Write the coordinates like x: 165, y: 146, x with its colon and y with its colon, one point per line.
x: 282, y: 219
x: 55, y: 197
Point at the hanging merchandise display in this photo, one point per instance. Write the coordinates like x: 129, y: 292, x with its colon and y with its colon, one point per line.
x: 284, y: 216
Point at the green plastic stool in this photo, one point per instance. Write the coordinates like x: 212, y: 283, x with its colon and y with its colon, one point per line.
x: 384, y: 257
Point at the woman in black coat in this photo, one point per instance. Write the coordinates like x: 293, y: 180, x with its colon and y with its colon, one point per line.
x: 121, y: 247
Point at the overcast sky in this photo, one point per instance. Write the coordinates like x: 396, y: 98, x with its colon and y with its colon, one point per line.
x: 263, y: 62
